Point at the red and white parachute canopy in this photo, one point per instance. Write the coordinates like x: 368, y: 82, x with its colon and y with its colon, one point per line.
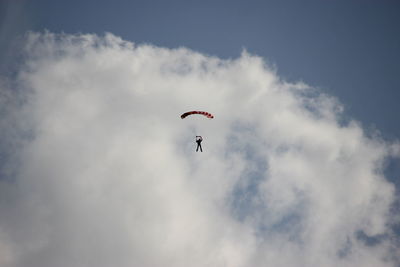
x: 208, y: 115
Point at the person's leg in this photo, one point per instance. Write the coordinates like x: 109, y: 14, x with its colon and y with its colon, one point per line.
x: 201, y: 149
x: 197, y: 148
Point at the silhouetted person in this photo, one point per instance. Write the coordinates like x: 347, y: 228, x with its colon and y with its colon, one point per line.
x: 198, y: 141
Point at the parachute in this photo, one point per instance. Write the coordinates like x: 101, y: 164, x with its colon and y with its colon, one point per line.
x: 208, y: 115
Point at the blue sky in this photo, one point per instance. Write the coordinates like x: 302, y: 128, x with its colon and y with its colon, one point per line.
x: 284, y: 170
x: 348, y: 48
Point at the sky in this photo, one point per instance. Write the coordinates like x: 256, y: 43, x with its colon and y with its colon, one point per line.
x: 300, y: 164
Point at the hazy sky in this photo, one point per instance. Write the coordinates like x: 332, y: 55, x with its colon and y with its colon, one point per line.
x: 300, y: 163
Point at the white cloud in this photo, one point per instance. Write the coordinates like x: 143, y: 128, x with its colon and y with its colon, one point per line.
x: 99, y: 170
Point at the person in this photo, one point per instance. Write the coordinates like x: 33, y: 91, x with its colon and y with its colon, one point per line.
x: 198, y: 141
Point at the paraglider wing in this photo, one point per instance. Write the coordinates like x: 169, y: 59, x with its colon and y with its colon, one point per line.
x: 208, y: 115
